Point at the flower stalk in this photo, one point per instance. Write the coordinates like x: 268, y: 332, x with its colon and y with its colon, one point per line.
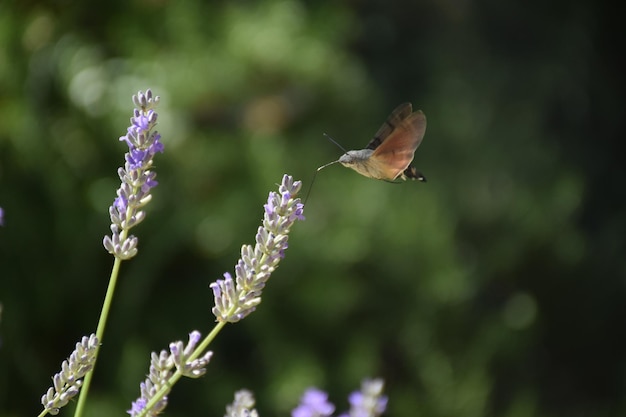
x: 137, y: 179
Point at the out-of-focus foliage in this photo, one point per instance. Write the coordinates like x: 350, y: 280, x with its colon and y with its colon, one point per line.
x: 497, y: 288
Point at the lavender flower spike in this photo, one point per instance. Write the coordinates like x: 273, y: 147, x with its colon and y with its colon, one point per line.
x: 67, y: 383
x: 314, y: 403
x: 242, y: 405
x: 162, y: 369
x: 238, y: 297
x: 136, y: 176
x: 369, y: 402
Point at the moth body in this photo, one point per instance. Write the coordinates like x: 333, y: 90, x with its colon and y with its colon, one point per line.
x: 361, y: 162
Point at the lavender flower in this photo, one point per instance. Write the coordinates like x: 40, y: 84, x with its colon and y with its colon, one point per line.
x: 67, y: 383
x: 241, y: 406
x: 161, y: 370
x: 236, y: 298
x: 136, y: 176
x: 1, y: 217
x: 180, y: 355
x: 314, y: 403
x: 369, y: 402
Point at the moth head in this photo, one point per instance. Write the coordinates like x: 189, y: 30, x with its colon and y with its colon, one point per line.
x: 351, y: 158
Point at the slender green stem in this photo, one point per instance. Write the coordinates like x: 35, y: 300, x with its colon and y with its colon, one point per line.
x: 106, y: 307
x: 207, y: 341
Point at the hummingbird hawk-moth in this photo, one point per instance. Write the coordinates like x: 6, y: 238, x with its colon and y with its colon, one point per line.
x: 389, y: 154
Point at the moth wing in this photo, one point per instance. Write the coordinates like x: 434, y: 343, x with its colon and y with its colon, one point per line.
x: 396, y: 152
x: 395, y: 119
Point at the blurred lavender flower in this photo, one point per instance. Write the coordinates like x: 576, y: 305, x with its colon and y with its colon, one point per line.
x: 161, y: 370
x: 369, y: 402
x: 136, y: 176
x: 314, y: 403
x: 241, y: 406
x: 67, y: 383
x: 236, y: 298
x: 1, y: 217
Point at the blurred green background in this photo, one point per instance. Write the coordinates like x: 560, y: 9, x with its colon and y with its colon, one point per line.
x: 495, y: 289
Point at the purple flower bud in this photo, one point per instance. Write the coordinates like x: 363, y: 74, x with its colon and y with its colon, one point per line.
x: 137, y: 407
x: 194, y: 338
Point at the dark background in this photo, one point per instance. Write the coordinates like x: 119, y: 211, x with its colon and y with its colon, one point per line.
x: 495, y: 289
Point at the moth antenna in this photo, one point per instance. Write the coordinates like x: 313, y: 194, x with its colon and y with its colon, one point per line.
x: 335, y: 142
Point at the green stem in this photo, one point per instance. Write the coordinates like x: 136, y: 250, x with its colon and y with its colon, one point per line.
x: 106, y: 307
